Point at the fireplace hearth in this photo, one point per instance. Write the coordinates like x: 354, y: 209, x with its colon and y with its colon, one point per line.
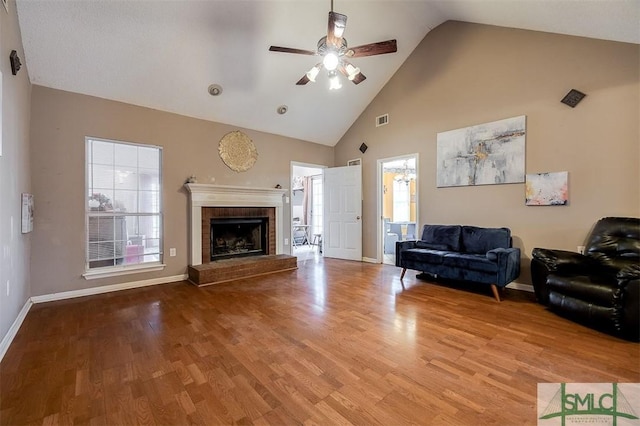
x: 238, y: 237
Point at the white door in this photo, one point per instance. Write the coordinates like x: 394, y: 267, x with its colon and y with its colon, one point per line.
x: 343, y: 213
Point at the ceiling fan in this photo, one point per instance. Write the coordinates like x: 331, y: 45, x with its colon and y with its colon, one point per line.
x: 335, y: 53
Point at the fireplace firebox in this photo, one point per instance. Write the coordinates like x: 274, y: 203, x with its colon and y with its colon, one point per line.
x: 238, y: 237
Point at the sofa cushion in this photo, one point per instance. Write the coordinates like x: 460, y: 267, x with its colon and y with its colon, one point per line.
x: 475, y: 262
x: 481, y: 240
x: 431, y: 246
x: 445, y: 236
x: 424, y: 255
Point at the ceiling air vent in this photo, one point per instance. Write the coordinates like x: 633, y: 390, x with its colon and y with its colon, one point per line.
x: 382, y: 120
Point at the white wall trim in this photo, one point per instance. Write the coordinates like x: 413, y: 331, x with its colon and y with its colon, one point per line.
x: 122, y: 270
x: 107, y: 288
x: 370, y: 260
x: 208, y: 195
x: 13, y: 330
x: 520, y: 286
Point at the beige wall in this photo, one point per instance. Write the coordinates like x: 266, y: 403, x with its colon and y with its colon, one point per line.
x: 463, y: 74
x: 59, y: 123
x: 14, y: 175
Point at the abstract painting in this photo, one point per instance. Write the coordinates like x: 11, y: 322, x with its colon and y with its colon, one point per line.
x: 547, y: 189
x: 485, y: 154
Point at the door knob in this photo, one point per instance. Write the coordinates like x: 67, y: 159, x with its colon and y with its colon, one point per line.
x: 357, y: 217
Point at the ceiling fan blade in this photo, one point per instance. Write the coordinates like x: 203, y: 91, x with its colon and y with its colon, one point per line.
x: 291, y: 50
x: 304, y: 80
x: 337, y: 25
x: 379, y: 48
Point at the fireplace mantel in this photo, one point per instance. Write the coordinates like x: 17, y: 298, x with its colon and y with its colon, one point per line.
x: 207, y: 195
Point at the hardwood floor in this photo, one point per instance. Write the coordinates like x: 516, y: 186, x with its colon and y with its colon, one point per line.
x: 333, y: 342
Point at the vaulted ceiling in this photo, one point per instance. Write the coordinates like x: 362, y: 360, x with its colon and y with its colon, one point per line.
x: 164, y: 54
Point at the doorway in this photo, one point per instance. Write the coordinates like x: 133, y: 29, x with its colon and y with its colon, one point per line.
x: 398, y: 195
x: 307, y: 197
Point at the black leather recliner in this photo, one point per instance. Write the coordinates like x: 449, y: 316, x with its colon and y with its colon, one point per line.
x: 601, y: 288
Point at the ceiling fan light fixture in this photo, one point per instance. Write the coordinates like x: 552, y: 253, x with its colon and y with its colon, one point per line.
x: 313, y: 73
x: 334, y: 51
x: 334, y: 81
x: 352, y: 71
x: 330, y: 61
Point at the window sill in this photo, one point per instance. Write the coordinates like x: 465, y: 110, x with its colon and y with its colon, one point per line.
x: 122, y: 270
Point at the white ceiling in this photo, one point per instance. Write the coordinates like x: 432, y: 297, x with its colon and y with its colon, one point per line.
x: 164, y: 54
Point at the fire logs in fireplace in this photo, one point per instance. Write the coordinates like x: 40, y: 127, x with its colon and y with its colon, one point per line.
x: 238, y: 237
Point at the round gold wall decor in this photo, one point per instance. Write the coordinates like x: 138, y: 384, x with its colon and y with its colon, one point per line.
x: 237, y: 151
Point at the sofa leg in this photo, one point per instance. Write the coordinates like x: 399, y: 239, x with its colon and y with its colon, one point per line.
x: 494, y: 289
x: 403, y: 272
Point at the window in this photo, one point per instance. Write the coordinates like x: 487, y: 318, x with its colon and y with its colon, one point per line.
x: 123, y: 206
x: 401, y: 210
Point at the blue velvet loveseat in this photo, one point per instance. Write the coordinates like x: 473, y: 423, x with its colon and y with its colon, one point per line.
x: 462, y: 253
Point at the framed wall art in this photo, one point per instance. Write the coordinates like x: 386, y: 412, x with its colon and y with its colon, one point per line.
x: 547, y: 189
x: 485, y: 154
x: 237, y: 151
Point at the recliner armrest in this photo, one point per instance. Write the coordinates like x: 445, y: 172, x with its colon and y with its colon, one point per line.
x: 562, y: 261
x: 629, y: 272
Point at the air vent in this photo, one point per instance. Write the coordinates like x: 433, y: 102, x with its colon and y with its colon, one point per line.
x: 573, y: 98
x: 382, y: 120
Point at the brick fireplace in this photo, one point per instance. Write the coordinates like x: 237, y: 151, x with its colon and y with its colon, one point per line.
x: 205, y: 199
x: 210, y: 203
x: 236, y: 217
